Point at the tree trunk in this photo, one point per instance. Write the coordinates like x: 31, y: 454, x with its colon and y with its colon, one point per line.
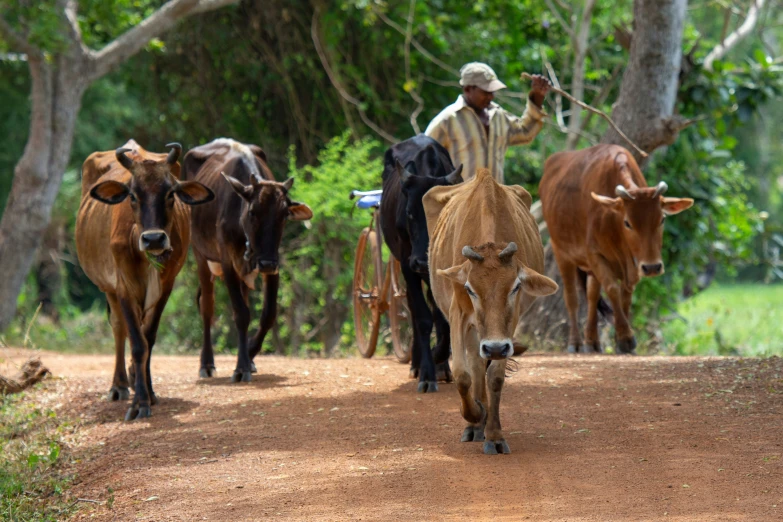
x: 644, y: 111
x: 578, y: 76
x: 56, y: 97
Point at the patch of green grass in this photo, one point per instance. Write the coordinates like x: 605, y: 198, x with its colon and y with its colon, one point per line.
x: 32, y: 480
x: 741, y: 319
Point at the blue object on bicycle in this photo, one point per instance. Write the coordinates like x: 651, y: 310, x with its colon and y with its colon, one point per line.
x: 372, y: 201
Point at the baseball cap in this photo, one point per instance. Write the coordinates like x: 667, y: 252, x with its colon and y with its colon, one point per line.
x: 480, y: 75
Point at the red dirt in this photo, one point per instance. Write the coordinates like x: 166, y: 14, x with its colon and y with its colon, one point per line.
x: 592, y: 438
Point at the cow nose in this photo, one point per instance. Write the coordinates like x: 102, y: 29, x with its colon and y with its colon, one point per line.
x: 652, y: 269
x: 496, y: 349
x: 153, y: 240
x: 419, y: 265
x: 267, y: 267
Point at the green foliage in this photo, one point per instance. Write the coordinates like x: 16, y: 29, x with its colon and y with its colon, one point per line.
x: 32, y: 481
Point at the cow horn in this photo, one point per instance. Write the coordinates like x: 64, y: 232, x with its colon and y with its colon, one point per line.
x: 287, y: 184
x: 508, y: 251
x: 471, y: 254
x: 124, y: 160
x: 623, y: 193
x: 660, y: 189
x: 173, y: 156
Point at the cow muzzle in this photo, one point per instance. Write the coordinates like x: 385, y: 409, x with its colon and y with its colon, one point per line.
x: 495, y: 350
x: 155, y: 242
x: 652, y: 269
x: 267, y: 267
x: 419, y: 265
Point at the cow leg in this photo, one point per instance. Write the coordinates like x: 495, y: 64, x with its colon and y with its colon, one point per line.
x: 592, y: 341
x: 478, y: 387
x: 268, y: 315
x: 422, y: 330
x: 496, y: 376
x: 242, y: 321
x: 119, y: 389
x: 442, y: 349
x: 624, y: 338
x: 151, y: 324
x: 570, y: 280
x: 206, y: 306
x: 627, y: 296
x: 140, y: 407
x: 471, y: 410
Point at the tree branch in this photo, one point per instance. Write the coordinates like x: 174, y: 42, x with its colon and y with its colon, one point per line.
x: 526, y: 76
x: 336, y: 83
x: 415, y: 95
x: 567, y: 28
x: 16, y: 39
x: 578, y: 75
x: 133, y: 40
x: 736, y: 37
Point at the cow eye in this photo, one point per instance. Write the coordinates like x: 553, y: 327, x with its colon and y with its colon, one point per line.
x: 132, y: 197
x: 627, y: 224
x: 516, y: 288
x: 470, y: 291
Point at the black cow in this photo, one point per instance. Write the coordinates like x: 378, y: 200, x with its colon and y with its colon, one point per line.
x: 238, y: 238
x: 410, y: 169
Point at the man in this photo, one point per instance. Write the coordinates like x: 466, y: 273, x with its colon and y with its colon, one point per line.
x: 476, y: 131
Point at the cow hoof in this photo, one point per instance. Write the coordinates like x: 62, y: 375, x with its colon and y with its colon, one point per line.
x: 573, y: 348
x: 587, y: 349
x: 253, y: 367
x: 496, y: 447
x: 119, y: 393
x: 443, y: 373
x: 206, y: 372
x: 135, y: 412
x: 627, y: 346
x: 414, y: 373
x: 240, y: 376
x: 472, y: 434
x: 428, y: 387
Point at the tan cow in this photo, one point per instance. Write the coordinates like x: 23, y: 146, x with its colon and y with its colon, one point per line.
x: 614, y: 241
x: 485, y: 255
x: 132, y: 237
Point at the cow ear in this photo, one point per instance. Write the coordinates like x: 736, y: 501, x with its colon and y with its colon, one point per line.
x: 245, y: 191
x: 110, y: 192
x: 193, y: 193
x: 455, y: 177
x: 402, y: 172
x: 536, y: 284
x: 615, y: 204
x: 299, y: 211
x: 672, y: 206
x: 458, y: 273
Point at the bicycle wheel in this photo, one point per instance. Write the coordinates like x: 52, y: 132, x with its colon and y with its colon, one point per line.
x: 400, y: 315
x: 366, y: 312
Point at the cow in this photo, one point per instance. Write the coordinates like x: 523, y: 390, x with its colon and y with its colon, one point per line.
x: 485, y: 258
x: 615, y: 241
x: 132, y: 236
x: 238, y: 239
x: 410, y: 169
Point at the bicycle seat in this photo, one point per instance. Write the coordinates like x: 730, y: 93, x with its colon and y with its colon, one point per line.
x: 367, y: 199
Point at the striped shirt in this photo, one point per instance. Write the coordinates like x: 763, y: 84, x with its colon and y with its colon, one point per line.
x: 459, y: 129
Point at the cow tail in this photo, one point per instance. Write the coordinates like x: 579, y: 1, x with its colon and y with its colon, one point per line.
x: 604, y: 308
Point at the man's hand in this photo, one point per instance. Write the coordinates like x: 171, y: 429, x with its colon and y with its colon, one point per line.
x: 538, y: 89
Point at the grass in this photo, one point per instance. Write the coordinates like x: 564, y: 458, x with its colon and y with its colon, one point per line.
x: 32, y: 480
x: 739, y: 319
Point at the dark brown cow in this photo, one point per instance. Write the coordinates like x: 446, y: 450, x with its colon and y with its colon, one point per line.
x: 614, y: 240
x: 132, y: 235
x: 238, y: 238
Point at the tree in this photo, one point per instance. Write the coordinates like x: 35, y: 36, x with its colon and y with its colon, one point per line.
x: 62, y: 66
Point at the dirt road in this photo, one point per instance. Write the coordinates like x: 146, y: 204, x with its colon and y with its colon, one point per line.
x: 592, y: 438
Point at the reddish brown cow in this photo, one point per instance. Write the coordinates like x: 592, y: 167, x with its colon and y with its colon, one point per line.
x: 132, y: 237
x: 614, y: 240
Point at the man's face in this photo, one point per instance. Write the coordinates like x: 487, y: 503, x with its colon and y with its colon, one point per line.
x: 477, y: 98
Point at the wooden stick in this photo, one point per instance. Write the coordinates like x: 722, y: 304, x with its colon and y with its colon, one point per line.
x: 526, y: 76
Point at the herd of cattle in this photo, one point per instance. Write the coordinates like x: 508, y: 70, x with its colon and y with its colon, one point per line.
x: 474, y: 244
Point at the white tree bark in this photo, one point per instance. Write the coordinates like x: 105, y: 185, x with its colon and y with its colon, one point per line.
x: 737, y: 36
x: 578, y: 75
x: 58, y: 83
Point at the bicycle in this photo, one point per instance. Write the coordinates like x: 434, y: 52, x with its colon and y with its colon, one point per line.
x: 377, y: 290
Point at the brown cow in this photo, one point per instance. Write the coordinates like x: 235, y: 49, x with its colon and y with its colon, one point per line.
x: 133, y: 251
x: 614, y: 240
x: 238, y: 238
x: 485, y: 255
